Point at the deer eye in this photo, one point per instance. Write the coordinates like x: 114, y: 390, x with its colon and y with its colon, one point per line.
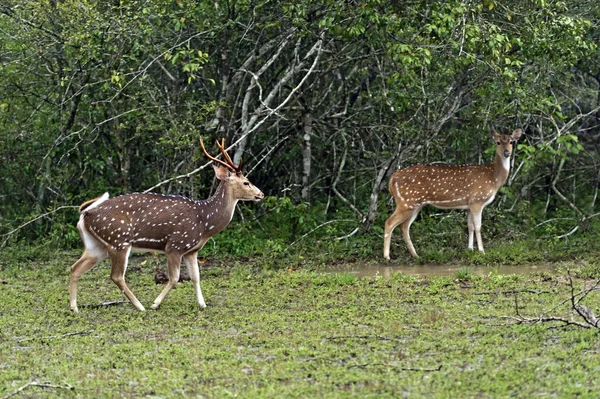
x: 497, y: 143
x: 246, y: 183
x: 512, y: 141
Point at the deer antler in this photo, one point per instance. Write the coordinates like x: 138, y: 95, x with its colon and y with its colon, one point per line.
x: 221, y: 146
x: 229, y: 165
x: 226, y: 155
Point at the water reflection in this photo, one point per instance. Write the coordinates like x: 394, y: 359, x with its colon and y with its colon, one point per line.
x: 385, y: 270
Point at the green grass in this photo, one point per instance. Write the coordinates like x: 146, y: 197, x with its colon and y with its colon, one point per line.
x: 292, y: 333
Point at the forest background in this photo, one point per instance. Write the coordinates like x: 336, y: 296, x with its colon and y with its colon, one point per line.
x: 322, y: 99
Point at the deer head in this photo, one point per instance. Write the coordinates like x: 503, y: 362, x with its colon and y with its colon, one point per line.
x: 504, y: 142
x: 231, y: 175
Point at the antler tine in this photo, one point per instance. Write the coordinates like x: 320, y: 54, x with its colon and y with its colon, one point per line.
x: 226, y: 155
x: 213, y: 158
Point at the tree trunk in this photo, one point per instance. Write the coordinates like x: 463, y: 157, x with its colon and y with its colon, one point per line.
x: 306, y: 156
x: 378, y: 186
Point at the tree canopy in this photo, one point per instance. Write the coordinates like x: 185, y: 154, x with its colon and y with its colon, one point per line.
x: 323, y: 99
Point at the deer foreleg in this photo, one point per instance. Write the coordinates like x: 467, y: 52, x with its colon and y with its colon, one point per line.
x: 191, y: 261
x: 471, y: 228
x: 476, y: 212
x: 173, y: 265
x: 119, y: 259
x: 405, y: 227
x: 394, y: 220
x: 403, y: 217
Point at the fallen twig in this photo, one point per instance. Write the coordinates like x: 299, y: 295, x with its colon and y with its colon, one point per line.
x: 536, y: 320
x: 589, y: 319
x: 379, y: 337
x: 102, y: 304
x: 529, y: 291
x: 438, y: 368
x: 85, y: 332
x: 38, y: 384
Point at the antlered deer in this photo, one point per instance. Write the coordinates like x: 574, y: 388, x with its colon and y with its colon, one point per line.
x: 468, y: 187
x: 175, y: 225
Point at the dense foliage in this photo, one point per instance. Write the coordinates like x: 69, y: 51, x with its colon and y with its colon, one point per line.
x: 324, y: 99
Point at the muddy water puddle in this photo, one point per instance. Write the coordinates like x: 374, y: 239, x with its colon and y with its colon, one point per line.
x: 385, y: 270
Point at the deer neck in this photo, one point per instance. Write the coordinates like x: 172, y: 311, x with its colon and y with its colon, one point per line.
x: 218, y: 209
x: 501, y: 167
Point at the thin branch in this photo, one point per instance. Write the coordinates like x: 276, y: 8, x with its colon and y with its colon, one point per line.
x: 573, y: 230
x: 349, y: 234
x: 7, y: 235
x: 512, y: 292
x: 10, y: 13
x: 85, y: 332
x: 102, y: 304
x: 337, y: 178
x: 438, y: 368
x: 193, y: 172
x: 317, y: 47
x: 590, y: 320
x: 344, y: 337
x: 266, y: 155
x: 560, y: 195
x: 41, y: 385
x: 317, y: 228
x: 537, y: 320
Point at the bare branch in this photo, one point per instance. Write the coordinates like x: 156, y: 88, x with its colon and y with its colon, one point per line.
x: 7, y: 235
x: 41, y: 385
x: 589, y: 319
x: 317, y: 228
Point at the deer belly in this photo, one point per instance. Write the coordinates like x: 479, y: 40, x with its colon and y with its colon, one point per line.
x: 450, y: 205
x: 449, y: 201
x: 148, y: 245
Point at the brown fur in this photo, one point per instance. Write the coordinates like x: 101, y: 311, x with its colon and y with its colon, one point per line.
x: 175, y: 225
x: 468, y: 187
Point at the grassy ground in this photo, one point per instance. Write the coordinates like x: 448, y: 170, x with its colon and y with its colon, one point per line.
x: 293, y: 333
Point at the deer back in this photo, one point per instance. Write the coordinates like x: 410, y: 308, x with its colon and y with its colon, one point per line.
x: 443, y: 186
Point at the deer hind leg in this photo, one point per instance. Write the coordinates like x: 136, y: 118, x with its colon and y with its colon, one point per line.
x: 119, y: 259
x: 173, y: 264
x: 191, y: 261
x: 88, y: 260
x: 399, y: 216
x: 476, y: 212
x: 93, y: 254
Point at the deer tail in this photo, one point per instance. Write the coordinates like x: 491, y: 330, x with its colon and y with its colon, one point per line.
x: 91, y: 204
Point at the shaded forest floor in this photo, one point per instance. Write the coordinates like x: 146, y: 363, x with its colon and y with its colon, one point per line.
x: 295, y: 332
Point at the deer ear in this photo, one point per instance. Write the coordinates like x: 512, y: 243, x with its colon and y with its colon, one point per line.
x: 221, y: 172
x: 494, y: 134
x: 516, y: 134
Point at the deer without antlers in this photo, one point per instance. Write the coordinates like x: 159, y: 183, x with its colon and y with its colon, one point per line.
x: 175, y: 225
x: 448, y: 187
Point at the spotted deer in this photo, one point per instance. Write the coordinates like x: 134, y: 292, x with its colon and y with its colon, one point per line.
x: 175, y: 225
x: 469, y: 187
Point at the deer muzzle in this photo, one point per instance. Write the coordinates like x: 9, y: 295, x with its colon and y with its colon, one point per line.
x: 506, y: 154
